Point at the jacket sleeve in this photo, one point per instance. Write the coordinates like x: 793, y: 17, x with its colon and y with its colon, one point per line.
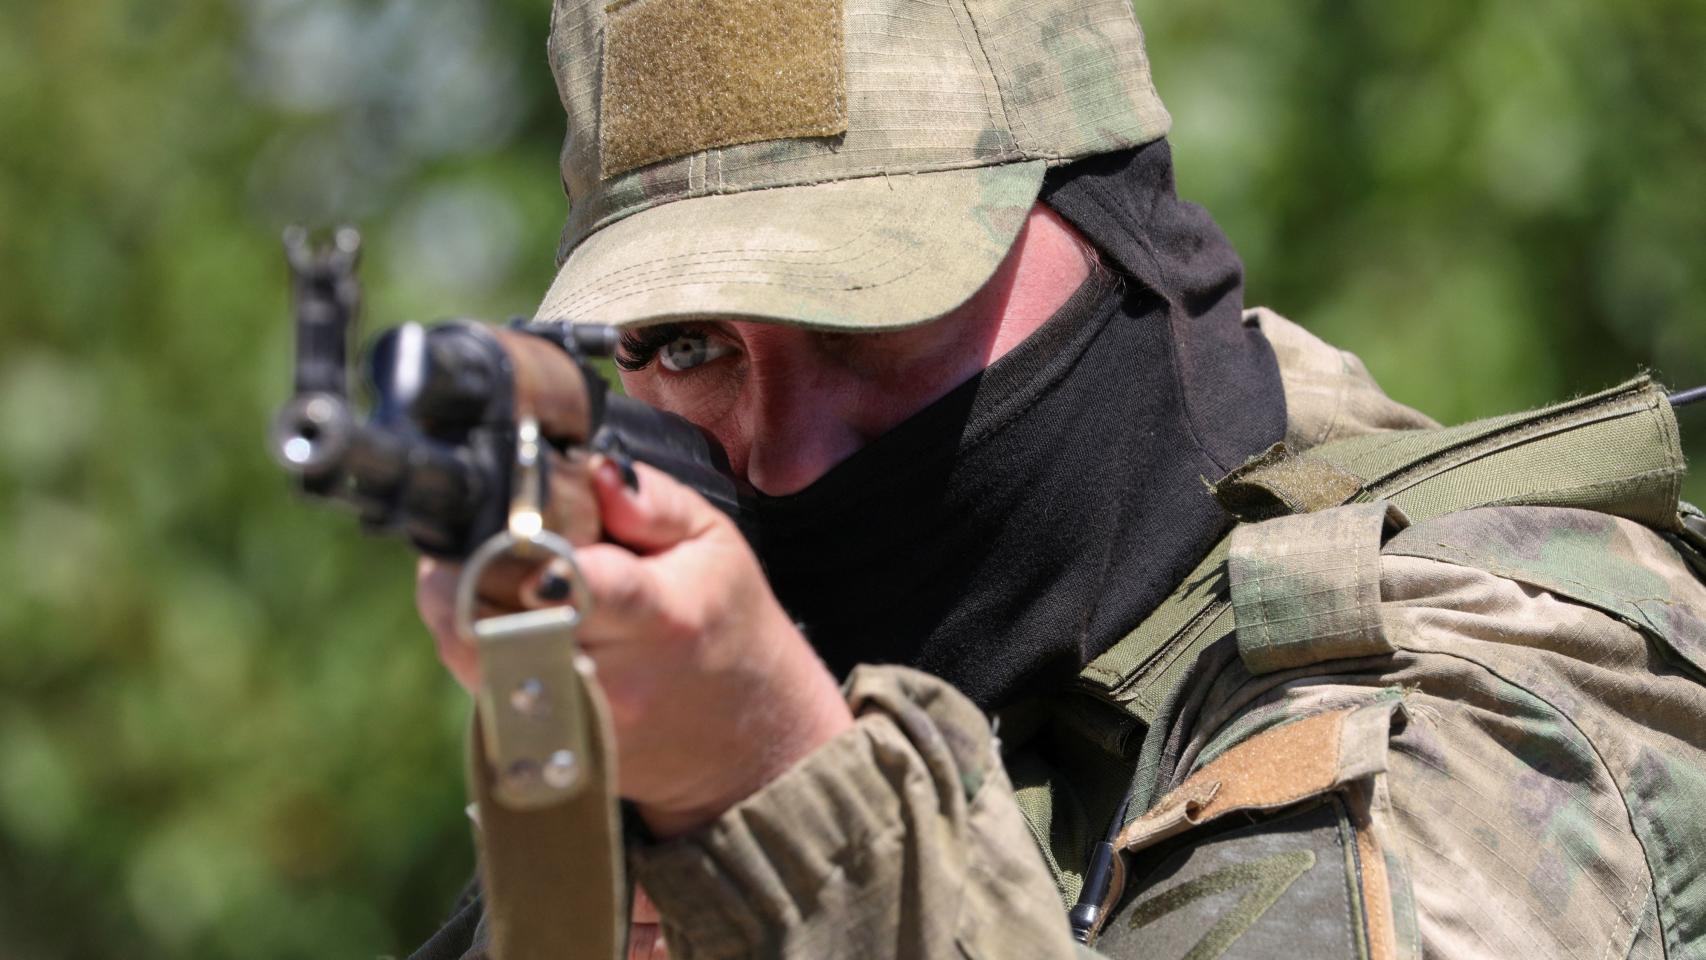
x: 900, y: 838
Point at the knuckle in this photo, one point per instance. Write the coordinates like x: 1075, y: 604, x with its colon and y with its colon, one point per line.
x: 623, y: 596
x: 630, y: 702
x: 679, y: 628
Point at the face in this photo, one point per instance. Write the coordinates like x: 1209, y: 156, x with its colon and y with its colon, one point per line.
x: 789, y: 404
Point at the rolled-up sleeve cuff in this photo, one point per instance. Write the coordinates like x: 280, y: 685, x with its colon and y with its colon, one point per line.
x: 830, y: 849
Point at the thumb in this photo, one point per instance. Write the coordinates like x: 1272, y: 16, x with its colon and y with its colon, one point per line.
x: 661, y: 513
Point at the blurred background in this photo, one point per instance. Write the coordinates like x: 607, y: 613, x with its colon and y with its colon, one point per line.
x: 223, y: 733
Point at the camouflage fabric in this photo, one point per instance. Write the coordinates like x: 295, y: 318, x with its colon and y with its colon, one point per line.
x: 1329, y: 394
x: 900, y: 838
x: 833, y: 163
x: 1546, y: 663
x: 1505, y: 756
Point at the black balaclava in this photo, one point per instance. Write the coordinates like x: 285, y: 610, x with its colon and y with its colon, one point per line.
x: 1022, y: 524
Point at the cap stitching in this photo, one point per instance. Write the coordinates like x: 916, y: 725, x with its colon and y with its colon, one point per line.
x: 1002, y: 154
x: 660, y: 261
x: 600, y: 288
x: 765, y: 283
x: 1007, y: 112
x: 642, y: 281
x: 653, y: 267
x: 602, y: 220
x: 640, y: 284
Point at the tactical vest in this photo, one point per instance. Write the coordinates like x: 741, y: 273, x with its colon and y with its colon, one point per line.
x: 1106, y: 744
x: 1103, y: 746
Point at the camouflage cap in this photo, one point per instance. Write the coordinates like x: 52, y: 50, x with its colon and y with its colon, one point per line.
x: 840, y: 164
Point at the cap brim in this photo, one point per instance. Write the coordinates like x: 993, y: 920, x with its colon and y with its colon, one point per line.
x: 872, y: 253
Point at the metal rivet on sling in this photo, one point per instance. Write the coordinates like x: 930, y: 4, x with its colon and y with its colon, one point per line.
x: 562, y: 770
x: 528, y: 698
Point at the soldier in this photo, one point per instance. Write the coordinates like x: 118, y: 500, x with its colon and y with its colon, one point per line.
x: 920, y: 267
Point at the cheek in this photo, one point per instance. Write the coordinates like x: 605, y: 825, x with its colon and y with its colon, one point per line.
x: 706, y: 404
x: 642, y: 385
x: 904, y: 378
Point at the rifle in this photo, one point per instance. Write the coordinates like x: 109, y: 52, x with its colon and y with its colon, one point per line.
x: 476, y: 447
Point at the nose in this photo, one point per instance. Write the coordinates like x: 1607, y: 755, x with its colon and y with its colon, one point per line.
x: 800, y: 415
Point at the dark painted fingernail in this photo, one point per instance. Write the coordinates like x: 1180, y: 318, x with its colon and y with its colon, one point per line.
x: 553, y: 587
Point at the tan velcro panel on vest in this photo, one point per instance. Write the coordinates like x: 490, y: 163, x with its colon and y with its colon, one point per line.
x: 681, y: 76
x: 1293, y: 762
x: 1274, y: 768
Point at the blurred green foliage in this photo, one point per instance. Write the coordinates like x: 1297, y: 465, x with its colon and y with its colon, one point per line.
x: 222, y: 732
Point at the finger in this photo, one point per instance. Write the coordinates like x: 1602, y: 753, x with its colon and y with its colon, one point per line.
x: 622, y: 600
x: 502, y: 584
x: 552, y: 586
x: 645, y: 936
x: 645, y: 942
x: 655, y: 517
x: 435, y: 591
x: 570, y: 507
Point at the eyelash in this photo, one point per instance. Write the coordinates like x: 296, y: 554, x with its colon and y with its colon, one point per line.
x: 640, y: 347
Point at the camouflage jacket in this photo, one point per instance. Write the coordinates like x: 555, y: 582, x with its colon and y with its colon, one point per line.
x: 1494, y: 744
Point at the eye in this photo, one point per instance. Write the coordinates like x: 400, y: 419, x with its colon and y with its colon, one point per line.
x: 689, y: 349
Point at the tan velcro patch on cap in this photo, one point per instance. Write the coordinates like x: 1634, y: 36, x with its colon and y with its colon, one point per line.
x: 681, y: 76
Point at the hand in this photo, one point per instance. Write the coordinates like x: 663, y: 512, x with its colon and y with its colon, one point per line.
x: 713, y: 691
x: 645, y: 935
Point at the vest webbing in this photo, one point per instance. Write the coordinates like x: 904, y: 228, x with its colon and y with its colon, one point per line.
x: 1615, y: 452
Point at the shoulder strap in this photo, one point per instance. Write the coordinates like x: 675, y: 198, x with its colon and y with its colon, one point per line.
x: 1645, y: 579
x: 1615, y: 452
x: 1137, y: 671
